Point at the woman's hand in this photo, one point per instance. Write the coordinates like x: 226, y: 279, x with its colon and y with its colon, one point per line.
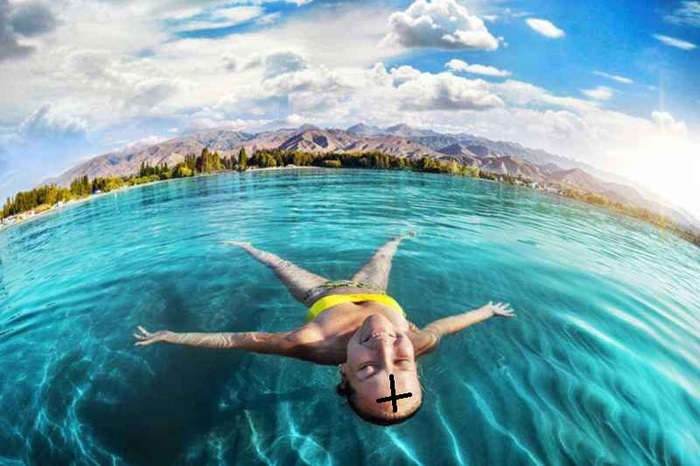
x: 147, y: 338
x: 499, y: 309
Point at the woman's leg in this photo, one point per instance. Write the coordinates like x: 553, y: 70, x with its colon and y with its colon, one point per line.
x: 297, y: 280
x: 376, y: 271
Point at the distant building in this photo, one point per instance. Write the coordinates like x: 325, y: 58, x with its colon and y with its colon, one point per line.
x: 97, y: 191
x: 535, y: 185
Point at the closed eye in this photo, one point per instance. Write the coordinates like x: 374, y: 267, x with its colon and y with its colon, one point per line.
x: 367, y: 369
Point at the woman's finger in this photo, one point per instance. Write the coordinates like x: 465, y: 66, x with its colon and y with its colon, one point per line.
x: 139, y: 337
x: 145, y: 332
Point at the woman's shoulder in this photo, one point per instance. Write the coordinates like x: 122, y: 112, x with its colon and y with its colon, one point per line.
x: 423, y: 341
x: 313, y: 344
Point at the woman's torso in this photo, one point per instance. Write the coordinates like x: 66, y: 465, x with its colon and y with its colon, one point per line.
x: 337, y: 324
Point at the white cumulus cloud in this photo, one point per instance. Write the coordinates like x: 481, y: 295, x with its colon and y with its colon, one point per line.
x: 599, y: 93
x: 283, y: 62
x: 520, y: 93
x: 314, y: 80
x: 458, y: 66
x: 546, y: 28
x: 668, y: 124
x: 50, y: 122
x: 442, y: 23
x: 673, y: 42
x: 445, y: 91
x: 405, y: 88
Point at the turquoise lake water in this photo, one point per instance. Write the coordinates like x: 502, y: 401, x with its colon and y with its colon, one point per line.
x: 602, y: 364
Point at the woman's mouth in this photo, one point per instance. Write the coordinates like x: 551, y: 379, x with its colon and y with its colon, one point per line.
x: 375, y: 335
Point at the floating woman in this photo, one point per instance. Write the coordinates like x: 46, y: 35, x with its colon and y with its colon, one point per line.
x: 352, y: 323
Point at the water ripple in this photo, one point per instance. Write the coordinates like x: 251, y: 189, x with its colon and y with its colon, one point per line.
x: 601, y: 366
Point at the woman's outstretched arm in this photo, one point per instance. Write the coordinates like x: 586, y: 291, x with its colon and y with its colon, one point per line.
x: 259, y: 342
x: 431, y: 334
x: 305, y: 343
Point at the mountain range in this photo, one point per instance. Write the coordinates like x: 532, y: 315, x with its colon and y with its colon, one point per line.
x: 400, y: 141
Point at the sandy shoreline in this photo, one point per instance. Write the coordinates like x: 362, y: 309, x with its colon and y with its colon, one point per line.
x: 91, y: 197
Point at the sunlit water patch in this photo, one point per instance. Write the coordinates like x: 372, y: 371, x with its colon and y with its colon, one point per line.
x: 602, y: 364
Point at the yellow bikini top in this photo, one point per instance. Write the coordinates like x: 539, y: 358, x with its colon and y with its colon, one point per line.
x: 331, y: 300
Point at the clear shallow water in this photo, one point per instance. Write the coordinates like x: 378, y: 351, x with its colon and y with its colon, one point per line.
x: 602, y: 364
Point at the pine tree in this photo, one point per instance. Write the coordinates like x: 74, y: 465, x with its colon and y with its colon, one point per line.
x: 242, y: 159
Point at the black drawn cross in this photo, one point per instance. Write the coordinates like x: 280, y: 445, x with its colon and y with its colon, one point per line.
x: 394, y: 396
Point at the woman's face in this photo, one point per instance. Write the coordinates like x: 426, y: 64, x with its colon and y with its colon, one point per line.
x: 379, y: 348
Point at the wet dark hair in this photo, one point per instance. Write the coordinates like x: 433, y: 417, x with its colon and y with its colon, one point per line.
x: 345, y: 389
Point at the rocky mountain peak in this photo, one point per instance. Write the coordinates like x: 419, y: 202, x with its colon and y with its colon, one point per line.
x: 361, y: 129
x: 308, y: 127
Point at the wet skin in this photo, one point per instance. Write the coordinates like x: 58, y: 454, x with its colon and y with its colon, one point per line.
x: 368, y: 340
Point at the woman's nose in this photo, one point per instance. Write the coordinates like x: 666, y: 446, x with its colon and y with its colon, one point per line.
x: 385, y: 346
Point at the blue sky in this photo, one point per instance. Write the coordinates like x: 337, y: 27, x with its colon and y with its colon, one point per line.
x: 611, y: 83
x: 610, y: 36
